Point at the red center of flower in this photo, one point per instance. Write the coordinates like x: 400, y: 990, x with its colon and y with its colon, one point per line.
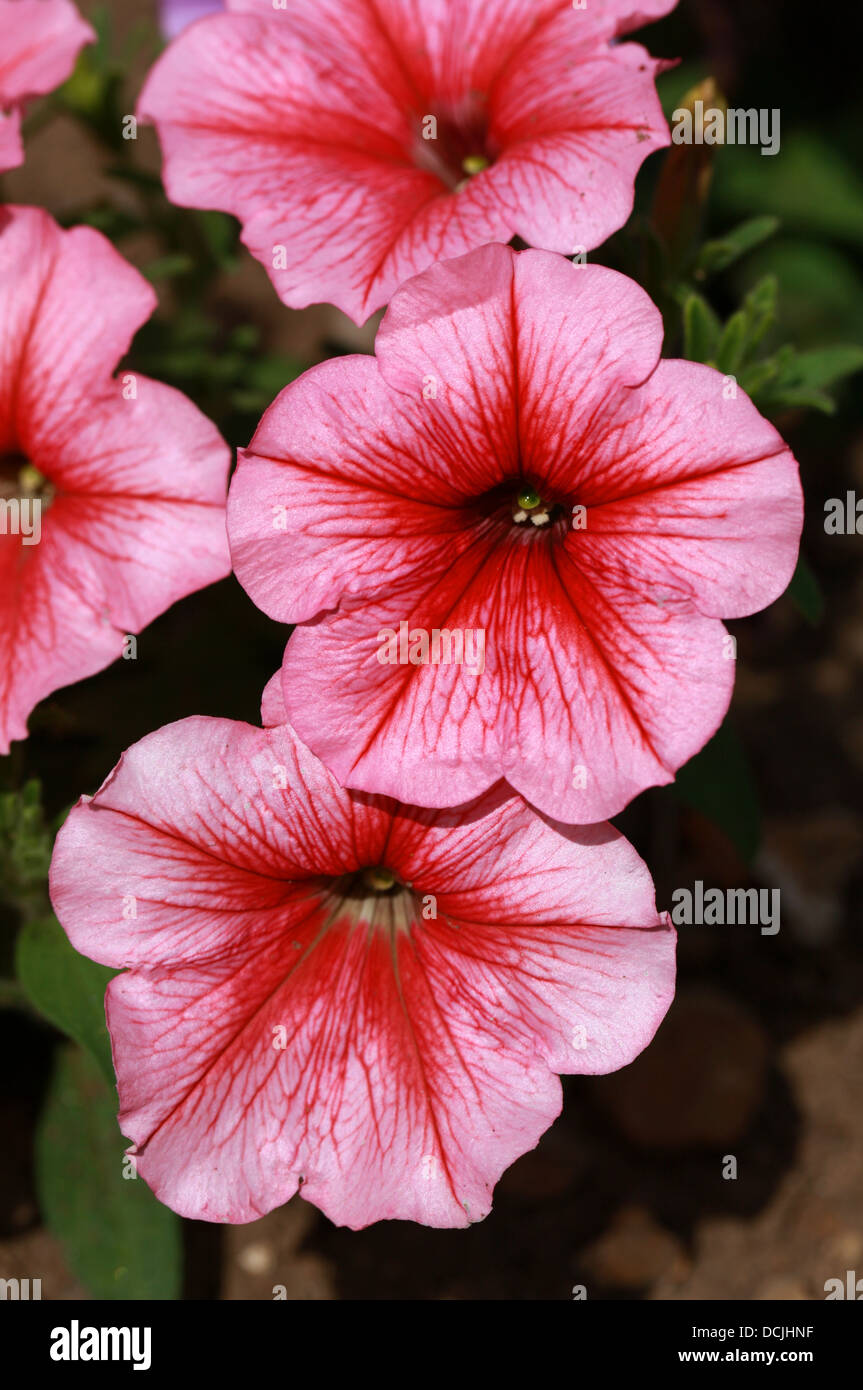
x: 379, y: 879
x: 375, y: 898
x: 455, y: 147
x: 19, y: 478
x: 526, y: 506
x: 10, y: 466
x: 374, y: 881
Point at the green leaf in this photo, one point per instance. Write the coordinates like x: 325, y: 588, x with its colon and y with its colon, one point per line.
x: 115, y: 223
x: 25, y: 849
x: 810, y: 185
x: 797, y: 398
x: 139, y: 178
x: 732, y: 344
x: 758, y: 376
x: 797, y: 383
x: 806, y: 593
x: 824, y: 366
x: 85, y: 91
x: 724, y: 251
x: 221, y: 234
x: 245, y: 337
x: 718, y: 782
x: 143, y: 41
x: 759, y: 306
x: 100, y: 18
x: 168, y: 267
x: 118, y: 1240
x: 66, y: 987
x: 701, y: 329
x: 263, y: 379
x: 820, y: 290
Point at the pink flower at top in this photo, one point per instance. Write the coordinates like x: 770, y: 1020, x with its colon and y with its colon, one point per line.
x: 39, y: 42
x: 359, y: 141
x: 508, y: 540
x: 112, y: 489
x: 340, y: 995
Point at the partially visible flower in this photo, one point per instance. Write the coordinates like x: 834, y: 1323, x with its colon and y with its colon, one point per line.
x: 359, y: 141
x: 340, y: 995
x: 39, y: 42
x: 518, y: 472
x: 112, y: 489
x: 176, y: 15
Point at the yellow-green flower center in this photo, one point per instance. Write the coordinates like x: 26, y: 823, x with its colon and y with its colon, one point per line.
x: 19, y: 478
x: 380, y: 880
x: 528, y: 500
x: 474, y: 164
x: 30, y: 480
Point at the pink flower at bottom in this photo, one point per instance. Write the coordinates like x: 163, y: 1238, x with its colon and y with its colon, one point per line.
x: 112, y: 489
x: 341, y: 995
x: 39, y: 42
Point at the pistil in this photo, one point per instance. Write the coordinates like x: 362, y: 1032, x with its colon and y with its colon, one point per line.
x: 530, y: 508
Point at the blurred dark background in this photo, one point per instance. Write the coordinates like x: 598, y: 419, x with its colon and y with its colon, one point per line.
x: 761, y: 1055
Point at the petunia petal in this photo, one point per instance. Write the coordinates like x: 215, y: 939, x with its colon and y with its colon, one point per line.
x: 574, y: 136
x: 691, y: 493
x: 39, y: 42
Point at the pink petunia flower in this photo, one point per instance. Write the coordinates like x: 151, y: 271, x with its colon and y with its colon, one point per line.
x: 509, y: 539
x: 39, y: 42
x: 359, y: 142
x: 112, y: 489
x: 342, y: 995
